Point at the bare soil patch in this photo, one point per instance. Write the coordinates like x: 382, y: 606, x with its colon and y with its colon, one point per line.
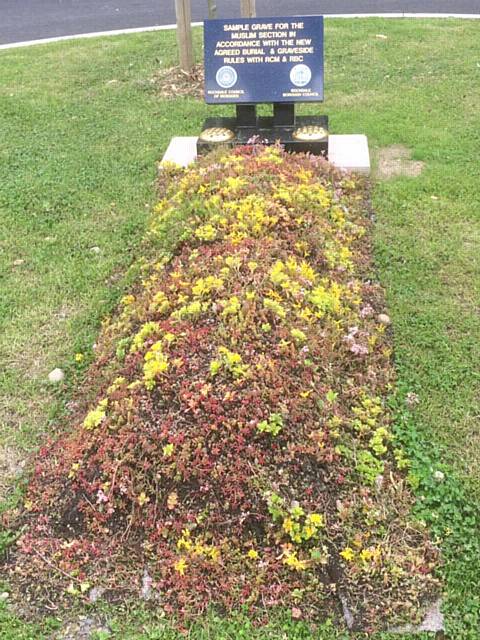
x: 395, y: 161
x: 174, y: 82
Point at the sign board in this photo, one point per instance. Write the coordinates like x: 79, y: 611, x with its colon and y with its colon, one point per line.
x: 264, y: 60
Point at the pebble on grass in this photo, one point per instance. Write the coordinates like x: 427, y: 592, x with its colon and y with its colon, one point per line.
x: 55, y: 376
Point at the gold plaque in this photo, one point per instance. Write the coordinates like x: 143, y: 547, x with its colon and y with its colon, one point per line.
x: 310, y: 132
x: 217, y: 134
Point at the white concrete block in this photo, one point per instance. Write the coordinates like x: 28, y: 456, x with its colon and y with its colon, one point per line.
x: 349, y: 152
x: 182, y: 150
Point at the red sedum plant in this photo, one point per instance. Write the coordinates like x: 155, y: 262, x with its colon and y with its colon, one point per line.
x: 240, y: 450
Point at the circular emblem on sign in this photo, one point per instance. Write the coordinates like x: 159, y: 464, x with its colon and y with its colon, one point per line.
x: 300, y: 75
x: 226, y: 77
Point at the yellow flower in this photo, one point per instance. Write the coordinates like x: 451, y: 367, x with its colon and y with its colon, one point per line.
x: 277, y: 273
x: 126, y: 300
x: 116, y: 384
x: 233, y: 261
x: 206, y: 232
x: 168, y: 450
x: 96, y: 416
x: 180, y: 566
x: 316, y: 519
x: 232, y: 361
x: 185, y: 542
x: 156, y: 363
x: 366, y: 555
x: 215, y: 366
x: 305, y: 394
x: 288, y: 525
x: 204, y: 286
x: 348, y: 554
x: 160, y: 302
x: 73, y: 470
x: 304, y: 175
x: 291, y: 560
x: 303, y: 248
x: 252, y: 554
x: 143, y: 499
x: 305, y: 314
x: 234, y: 183
x: 298, y: 335
x: 214, y: 554
x: 79, y: 357
x: 231, y: 306
x: 146, y: 331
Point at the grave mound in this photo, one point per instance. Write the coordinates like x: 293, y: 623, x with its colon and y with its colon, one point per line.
x: 239, y: 450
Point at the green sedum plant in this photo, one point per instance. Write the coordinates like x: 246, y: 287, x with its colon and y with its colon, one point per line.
x: 238, y: 451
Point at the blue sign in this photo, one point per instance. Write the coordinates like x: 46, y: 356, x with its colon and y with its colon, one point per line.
x: 264, y: 60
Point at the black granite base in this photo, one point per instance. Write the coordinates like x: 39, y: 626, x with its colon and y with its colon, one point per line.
x: 250, y: 129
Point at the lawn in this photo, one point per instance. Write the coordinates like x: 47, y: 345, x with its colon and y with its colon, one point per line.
x: 81, y: 127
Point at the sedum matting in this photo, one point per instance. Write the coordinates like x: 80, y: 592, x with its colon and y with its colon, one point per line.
x: 239, y: 450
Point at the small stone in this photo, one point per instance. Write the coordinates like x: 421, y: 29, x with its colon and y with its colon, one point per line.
x: 439, y: 476
x: 381, y: 36
x: 4, y: 596
x: 383, y: 318
x: 17, y: 263
x: 95, y: 249
x: 57, y: 375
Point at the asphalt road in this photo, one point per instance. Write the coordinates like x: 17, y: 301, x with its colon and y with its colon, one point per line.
x: 22, y: 20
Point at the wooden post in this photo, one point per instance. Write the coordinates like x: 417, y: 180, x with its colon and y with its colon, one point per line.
x: 183, y: 12
x: 247, y: 8
x: 212, y: 9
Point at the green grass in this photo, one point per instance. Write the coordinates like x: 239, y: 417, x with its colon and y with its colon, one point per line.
x: 80, y: 131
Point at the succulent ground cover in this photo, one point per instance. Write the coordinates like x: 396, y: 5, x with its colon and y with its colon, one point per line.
x: 239, y: 448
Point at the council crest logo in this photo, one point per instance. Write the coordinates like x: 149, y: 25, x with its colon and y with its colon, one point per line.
x: 226, y: 77
x: 300, y: 75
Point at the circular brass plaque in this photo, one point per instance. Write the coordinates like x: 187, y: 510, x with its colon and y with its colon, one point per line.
x: 310, y: 132
x: 217, y: 134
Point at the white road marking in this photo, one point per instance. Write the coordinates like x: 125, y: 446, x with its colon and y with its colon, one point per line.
x: 96, y: 34
x: 167, y: 27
